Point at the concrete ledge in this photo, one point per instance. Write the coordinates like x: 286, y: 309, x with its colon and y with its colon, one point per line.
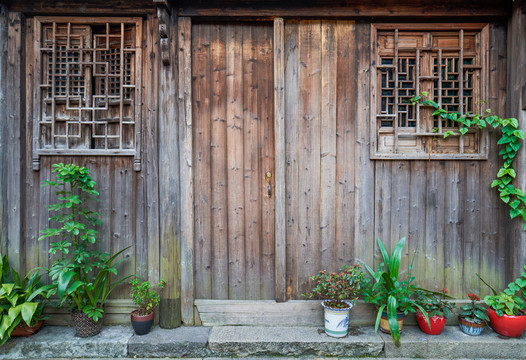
x: 454, y: 344
x: 60, y: 342
x: 172, y: 343
x: 292, y: 341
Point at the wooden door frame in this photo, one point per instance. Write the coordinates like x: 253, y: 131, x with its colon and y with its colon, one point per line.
x: 184, y: 68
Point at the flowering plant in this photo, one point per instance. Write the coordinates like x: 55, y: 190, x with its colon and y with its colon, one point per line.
x: 474, y: 312
x: 144, y: 296
x: 434, y: 302
x: 345, y: 284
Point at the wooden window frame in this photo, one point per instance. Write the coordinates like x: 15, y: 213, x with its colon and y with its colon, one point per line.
x: 135, y: 108
x: 481, y: 93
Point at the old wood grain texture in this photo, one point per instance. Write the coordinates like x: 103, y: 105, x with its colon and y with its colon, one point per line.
x: 473, y: 250
x: 382, y: 201
x: 4, y: 21
x: 235, y: 129
x: 169, y: 185
x: 218, y: 163
x: 280, y: 161
x: 309, y: 128
x: 291, y: 65
x: 265, y: 60
x: 251, y: 171
x: 364, y: 220
x: 417, y: 215
x: 401, y: 178
x: 345, y: 89
x: 184, y: 60
x: 150, y: 139
x: 328, y: 145
x: 201, y: 160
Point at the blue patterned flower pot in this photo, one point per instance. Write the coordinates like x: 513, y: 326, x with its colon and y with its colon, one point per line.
x: 470, y: 328
x: 336, y: 320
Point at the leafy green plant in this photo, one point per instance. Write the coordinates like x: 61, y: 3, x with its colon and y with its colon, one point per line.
x: 390, y: 293
x: 475, y: 311
x: 434, y: 303
x: 509, y: 301
x: 144, y: 296
x: 21, y: 300
x: 82, y: 273
x: 511, y: 142
x: 335, y: 287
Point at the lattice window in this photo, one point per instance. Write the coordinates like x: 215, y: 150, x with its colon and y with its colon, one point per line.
x: 450, y: 65
x: 89, y: 87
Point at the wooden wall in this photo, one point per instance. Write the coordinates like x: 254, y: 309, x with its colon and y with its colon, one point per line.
x: 233, y: 149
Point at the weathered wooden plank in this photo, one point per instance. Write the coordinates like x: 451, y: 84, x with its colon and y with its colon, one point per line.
x: 186, y: 149
x: 236, y: 205
x: 382, y: 201
x: 328, y: 145
x: 202, y: 177
x: 96, y: 7
x: 281, y: 161
x: 472, y: 237
x: 309, y: 122
x: 291, y: 156
x: 267, y: 160
x: 251, y: 171
x: 417, y: 215
x: 218, y: 164
x: 364, y: 220
x: 437, y: 191
x: 169, y: 186
x: 15, y: 102
x: 400, y: 206
x: 345, y: 89
x: 4, y: 21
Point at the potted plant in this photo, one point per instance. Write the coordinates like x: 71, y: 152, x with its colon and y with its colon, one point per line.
x: 81, y: 275
x: 473, y: 316
x: 436, y: 309
x: 146, y: 300
x: 391, y: 295
x: 507, y: 310
x: 21, y: 302
x: 339, y: 290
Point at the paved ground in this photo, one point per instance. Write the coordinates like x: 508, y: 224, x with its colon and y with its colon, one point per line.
x: 258, y: 343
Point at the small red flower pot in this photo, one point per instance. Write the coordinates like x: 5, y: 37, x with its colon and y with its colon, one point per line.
x: 437, y: 323
x: 511, y: 326
x: 23, y: 330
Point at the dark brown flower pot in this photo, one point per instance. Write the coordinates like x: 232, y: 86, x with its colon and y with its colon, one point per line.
x: 141, y: 323
x: 23, y: 330
x: 85, y: 326
x: 384, y: 322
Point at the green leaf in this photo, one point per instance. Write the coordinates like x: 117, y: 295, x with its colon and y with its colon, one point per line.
x: 514, y: 213
x: 392, y: 319
x: 496, y: 183
x: 28, y: 310
x: 502, y: 172
x: 463, y: 130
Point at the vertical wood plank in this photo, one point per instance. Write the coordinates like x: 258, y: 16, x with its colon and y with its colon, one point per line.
x: 309, y: 82
x: 4, y: 24
x: 382, y: 197
x: 328, y: 145
x: 281, y: 161
x: 364, y: 216
x: 472, y: 228
x: 251, y: 170
x: 400, y: 206
x: 186, y: 180
x: 201, y: 161
x: 265, y: 54
x: 345, y: 89
x: 218, y: 164
x: 169, y: 221
x: 15, y: 133
x: 236, y: 205
x: 291, y: 156
x: 417, y: 215
x: 453, y: 275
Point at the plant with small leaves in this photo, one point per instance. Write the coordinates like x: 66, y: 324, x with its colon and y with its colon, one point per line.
x: 475, y: 312
x: 434, y: 302
x: 511, y: 300
x: 511, y: 141
x: 144, y: 296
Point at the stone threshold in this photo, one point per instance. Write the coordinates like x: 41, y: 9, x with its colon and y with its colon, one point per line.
x: 281, y: 342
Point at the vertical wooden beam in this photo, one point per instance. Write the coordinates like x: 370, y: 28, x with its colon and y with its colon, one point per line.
x: 15, y: 134
x: 279, y: 138
x: 169, y: 221
x: 3, y: 128
x: 184, y: 98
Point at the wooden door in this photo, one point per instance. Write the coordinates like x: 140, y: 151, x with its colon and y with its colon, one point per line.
x: 233, y: 137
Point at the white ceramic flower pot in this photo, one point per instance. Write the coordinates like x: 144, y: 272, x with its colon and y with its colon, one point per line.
x: 336, y: 320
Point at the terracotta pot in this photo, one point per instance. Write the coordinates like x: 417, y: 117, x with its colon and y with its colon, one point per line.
x: 141, y: 323
x: 384, y: 323
x: 469, y: 327
x: 23, y: 330
x: 511, y: 326
x: 85, y: 326
x: 336, y: 320
x: 437, y: 323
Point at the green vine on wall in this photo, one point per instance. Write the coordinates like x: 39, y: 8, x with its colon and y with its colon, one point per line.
x: 511, y: 141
